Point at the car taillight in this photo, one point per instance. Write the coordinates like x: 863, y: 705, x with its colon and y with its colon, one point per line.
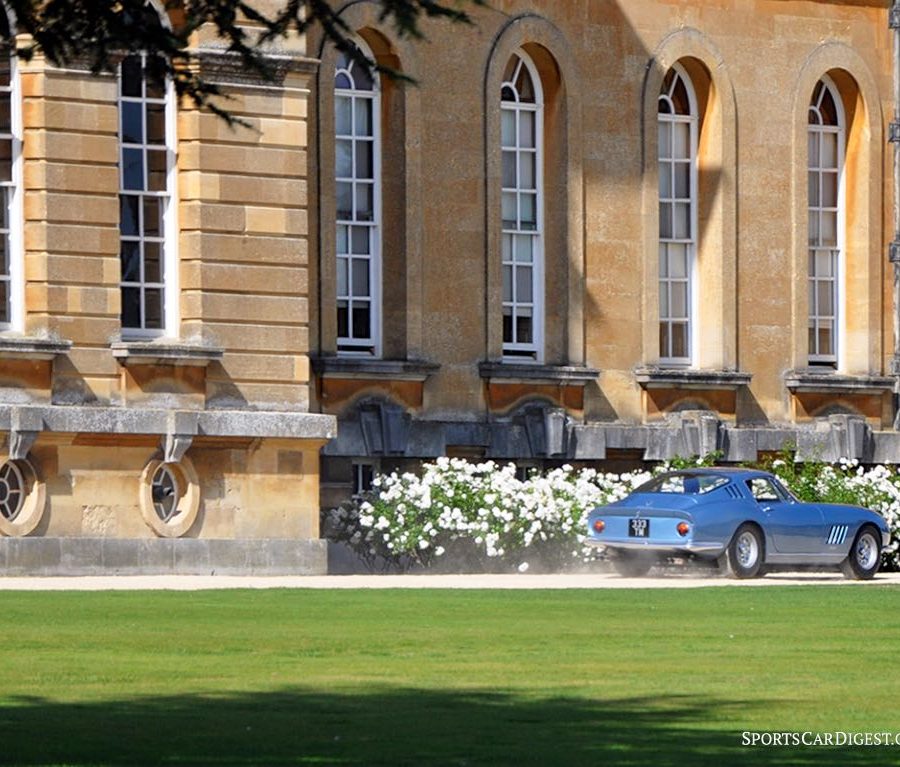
x: 683, y: 528
x: 599, y: 525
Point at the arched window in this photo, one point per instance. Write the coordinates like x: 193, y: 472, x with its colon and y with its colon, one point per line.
x: 825, y: 206
x: 521, y: 136
x: 677, y: 121
x: 147, y: 197
x: 357, y: 152
x: 11, y: 277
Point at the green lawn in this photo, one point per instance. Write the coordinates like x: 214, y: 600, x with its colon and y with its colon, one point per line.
x: 661, y: 677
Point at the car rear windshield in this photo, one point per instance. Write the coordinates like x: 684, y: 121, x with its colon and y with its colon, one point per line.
x: 684, y: 484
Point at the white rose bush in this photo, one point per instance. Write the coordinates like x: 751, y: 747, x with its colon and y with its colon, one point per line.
x: 495, y: 520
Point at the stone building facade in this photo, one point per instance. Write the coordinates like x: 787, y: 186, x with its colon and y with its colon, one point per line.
x: 605, y: 232
x: 154, y: 324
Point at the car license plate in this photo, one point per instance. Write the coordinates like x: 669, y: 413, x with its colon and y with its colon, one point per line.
x: 638, y: 528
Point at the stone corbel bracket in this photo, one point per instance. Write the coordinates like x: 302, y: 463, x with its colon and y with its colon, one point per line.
x: 181, y: 427
x: 24, y: 427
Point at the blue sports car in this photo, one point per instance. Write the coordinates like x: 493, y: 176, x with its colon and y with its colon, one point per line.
x: 746, y: 520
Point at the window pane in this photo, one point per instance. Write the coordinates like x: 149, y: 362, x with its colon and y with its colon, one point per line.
x: 507, y: 127
x: 829, y: 150
x: 663, y: 261
x: 524, y: 248
x: 507, y: 325
x: 6, y: 160
x: 364, y: 202
x: 132, y: 122
x: 343, y: 320
x: 681, y: 220
x: 364, y: 166
x: 812, y: 189
x: 153, y: 309
x: 507, y: 247
x: 509, y: 210
x: 526, y: 171
x: 829, y: 190
x: 679, y: 339
x: 131, y: 307
x: 664, y: 350
x: 130, y: 261
x: 679, y: 300
x: 342, y: 82
x: 5, y: 120
x: 824, y: 265
x: 678, y: 267
x: 825, y: 295
x: 155, y: 76
x: 813, y: 228
x: 526, y: 129
x: 527, y: 211
x: 128, y: 215
x: 509, y: 170
x: 361, y: 320
x: 681, y: 135
x: 665, y: 220
x: 363, y: 113
x: 829, y: 229
x: 156, y: 164
x: 524, y: 284
x: 664, y: 300
x: 682, y: 180
x: 132, y: 169
x: 826, y: 338
x: 812, y: 338
x: 360, y: 238
x: 665, y: 140
x: 507, y: 283
x: 153, y: 214
x: 524, y: 327
x: 342, y: 123
x: 153, y: 266
x: 813, y: 149
x: 343, y: 158
x: 5, y: 72
x: 360, y: 277
x: 344, y: 201
x: 342, y: 239
x: 156, y: 123
x: 131, y: 76
x: 342, y: 282
x: 362, y: 78
x: 4, y: 301
x: 665, y: 180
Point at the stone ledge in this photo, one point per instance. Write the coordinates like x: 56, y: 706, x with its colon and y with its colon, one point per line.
x: 32, y: 348
x: 156, y: 421
x: 368, y: 368
x: 814, y: 380
x: 517, y: 372
x: 37, y: 556
x: 164, y: 353
x: 688, y: 378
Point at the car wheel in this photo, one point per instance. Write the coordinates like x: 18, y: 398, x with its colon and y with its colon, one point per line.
x: 633, y: 564
x: 744, y: 556
x: 864, y: 558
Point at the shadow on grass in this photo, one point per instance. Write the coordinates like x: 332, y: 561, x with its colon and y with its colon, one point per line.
x: 391, y: 727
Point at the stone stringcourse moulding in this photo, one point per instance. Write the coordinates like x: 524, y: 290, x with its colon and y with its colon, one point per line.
x: 32, y: 348
x: 165, y: 353
x: 515, y: 372
x: 686, y: 378
x: 365, y: 367
x: 819, y: 380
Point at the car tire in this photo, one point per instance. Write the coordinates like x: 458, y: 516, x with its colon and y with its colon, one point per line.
x: 744, y: 555
x: 864, y: 558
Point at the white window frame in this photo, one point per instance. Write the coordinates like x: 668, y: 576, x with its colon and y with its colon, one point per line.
x: 532, y: 351
x: 690, y: 242
x: 169, y: 241
x: 370, y: 346
x: 838, y: 264
x: 15, y: 278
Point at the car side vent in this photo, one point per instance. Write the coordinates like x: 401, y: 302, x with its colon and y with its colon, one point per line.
x: 837, y: 535
x: 733, y: 491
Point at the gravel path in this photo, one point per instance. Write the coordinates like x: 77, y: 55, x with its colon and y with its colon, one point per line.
x: 522, y: 581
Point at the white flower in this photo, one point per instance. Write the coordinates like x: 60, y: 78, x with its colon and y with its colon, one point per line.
x: 523, y: 568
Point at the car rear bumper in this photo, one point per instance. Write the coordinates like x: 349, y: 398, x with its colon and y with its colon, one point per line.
x: 707, y: 548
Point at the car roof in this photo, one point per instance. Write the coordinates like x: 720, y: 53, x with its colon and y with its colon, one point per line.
x: 733, y: 472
